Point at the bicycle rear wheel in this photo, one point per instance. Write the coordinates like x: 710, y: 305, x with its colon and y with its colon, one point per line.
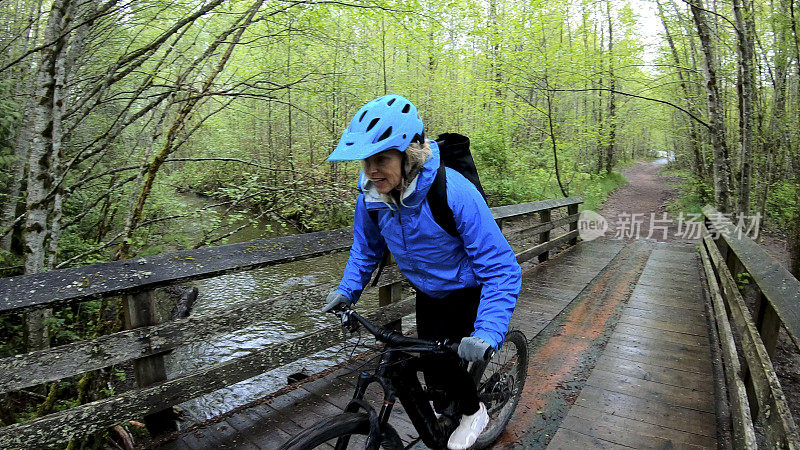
x: 355, y: 426
x: 500, y: 381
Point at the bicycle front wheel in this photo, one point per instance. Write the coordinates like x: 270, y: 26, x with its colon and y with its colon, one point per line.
x: 500, y: 382
x: 353, y: 427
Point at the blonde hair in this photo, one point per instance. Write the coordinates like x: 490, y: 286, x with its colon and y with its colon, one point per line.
x: 415, y: 157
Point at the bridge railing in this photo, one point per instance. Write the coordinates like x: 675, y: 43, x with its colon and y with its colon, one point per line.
x: 145, y: 342
x: 753, y: 295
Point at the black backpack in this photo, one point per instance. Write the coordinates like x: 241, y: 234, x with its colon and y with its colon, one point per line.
x: 453, y: 153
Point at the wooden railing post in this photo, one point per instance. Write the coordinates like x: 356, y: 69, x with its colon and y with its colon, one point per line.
x: 769, y: 325
x: 140, y: 310
x: 391, y: 293
x: 573, y: 209
x: 544, y: 236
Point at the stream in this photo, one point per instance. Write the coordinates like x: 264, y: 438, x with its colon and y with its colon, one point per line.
x: 218, y: 294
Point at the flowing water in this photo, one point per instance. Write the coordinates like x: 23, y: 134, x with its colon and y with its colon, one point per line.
x: 219, y: 294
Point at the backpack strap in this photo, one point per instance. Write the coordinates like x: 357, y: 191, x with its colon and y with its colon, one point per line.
x: 437, y: 201
x: 373, y: 214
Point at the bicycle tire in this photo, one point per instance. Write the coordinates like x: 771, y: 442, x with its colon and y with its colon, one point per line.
x: 345, y: 424
x: 511, y: 366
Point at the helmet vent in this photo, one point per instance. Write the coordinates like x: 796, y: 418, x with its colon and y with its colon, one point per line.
x: 389, y: 103
x: 406, y: 108
x: 349, y: 143
x: 362, y: 115
x: 385, y: 134
x: 372, y: 123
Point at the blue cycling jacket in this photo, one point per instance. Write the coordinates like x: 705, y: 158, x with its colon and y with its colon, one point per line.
x: 435, y: 262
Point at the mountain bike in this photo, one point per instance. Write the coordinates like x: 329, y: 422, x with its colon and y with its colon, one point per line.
x: 499, y: 378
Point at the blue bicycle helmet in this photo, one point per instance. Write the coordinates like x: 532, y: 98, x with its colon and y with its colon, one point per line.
x: 388, y: 122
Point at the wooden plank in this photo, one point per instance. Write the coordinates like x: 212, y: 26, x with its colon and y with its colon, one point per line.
x: 39, y: 367
x: 655, y: 291
x: 64, y: 425
x: 544, y: 226
x: 658, y: 374
x: 658, y: 358
x: 695, y: 321
x: 566, y: 439
x: 252, y: 427
x: 651, y: 390
x: 276, y: 427
x: 647, y: 301
x: 504, y: 212
x: 653, y: 412
x: 626, y: 437
x: 743, y: 431
x: 26, y: 292
x: 229, y: 437
x: 662, y: 345
x: 781, y: 429
x: 59, y: 287
x: 541, y: 248
x: 660, y: 324
x: 636, y: 425
x: 776, y: 283
x: 303, y: 408
x: 664, y: 335
x: 674, y: 286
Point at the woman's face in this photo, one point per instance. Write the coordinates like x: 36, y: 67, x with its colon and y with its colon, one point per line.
x: 384, y: 170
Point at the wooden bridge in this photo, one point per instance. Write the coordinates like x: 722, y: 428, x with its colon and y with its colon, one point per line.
x: 634, y: 344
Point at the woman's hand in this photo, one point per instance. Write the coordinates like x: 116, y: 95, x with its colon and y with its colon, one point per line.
x: 334, y: 299
x: 474, y: 348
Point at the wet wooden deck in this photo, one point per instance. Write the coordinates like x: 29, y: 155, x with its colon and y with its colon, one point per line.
x: 649, y: 385
x: 652, y: 387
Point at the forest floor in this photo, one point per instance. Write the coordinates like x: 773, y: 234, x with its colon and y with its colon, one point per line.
x: 648, y: 191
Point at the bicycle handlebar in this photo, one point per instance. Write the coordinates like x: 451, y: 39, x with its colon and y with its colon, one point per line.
x: 389, y: 337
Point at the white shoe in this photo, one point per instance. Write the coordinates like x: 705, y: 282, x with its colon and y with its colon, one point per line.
x: 468, y: 430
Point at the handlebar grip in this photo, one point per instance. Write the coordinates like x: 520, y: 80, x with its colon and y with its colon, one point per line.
x: 488, y: 354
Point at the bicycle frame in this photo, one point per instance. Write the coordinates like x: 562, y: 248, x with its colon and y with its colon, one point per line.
x: 393, y: 375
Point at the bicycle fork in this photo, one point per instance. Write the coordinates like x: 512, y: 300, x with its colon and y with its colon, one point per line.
x: 378, y: 421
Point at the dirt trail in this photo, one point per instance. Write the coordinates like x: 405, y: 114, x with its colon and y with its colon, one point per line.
x: 643, y: 201
x: 649, y: 192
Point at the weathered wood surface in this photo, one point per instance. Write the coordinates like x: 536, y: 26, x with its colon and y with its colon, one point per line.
x: 135, y: 275
x: 58, y: 287
x: 536, y: 307
x: 62, y: 426
x: 544, y: 226
x: 53, y: 364
x: 772, y: 406
x: 776, y: 283
x: 505, y: 212
x: 743, y: 432
x: 550, y: 245
x: 43, y: 366
x: 652, y: 385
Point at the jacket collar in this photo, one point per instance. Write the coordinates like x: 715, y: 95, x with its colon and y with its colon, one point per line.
x: 416, y: 191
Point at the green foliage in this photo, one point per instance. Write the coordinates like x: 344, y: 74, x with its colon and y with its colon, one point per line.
x: 693, y: 193
x: 742, y: 280
x: 782, y: 204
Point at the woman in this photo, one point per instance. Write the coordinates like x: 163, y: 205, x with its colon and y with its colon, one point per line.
x: 467, y: 286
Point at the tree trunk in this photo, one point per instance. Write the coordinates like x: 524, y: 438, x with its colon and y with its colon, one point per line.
x: 612, y: 106
x: 25, y: 88
x: 715, y: 111
x: 694, y: 137
x: 40, y: 159
x: 746, y: 100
